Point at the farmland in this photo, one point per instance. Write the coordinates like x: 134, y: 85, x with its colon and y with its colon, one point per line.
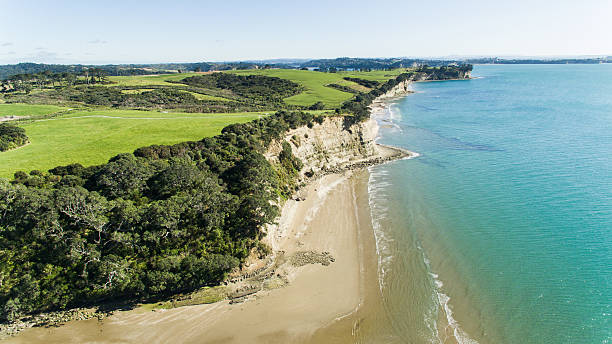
x: 315, y: 84
x: 23, y: 110
x: 92, y: 137
x: 91, y: 134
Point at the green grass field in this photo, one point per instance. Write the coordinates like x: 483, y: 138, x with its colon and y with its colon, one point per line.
x: 92, y: 137
x: 28, y: 110
x: 315, y: 83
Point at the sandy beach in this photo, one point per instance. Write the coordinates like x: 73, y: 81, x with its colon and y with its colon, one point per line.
x: 332, y: 218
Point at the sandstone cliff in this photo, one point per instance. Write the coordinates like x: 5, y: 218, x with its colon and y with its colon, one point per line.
x: 328, y: 145
x: 331, y: 146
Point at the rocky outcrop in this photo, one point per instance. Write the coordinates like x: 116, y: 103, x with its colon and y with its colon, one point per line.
x: 51, y: 319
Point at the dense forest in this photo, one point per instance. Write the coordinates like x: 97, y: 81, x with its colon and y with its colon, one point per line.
x: 257, y: 87
x: 162, y: 220
x: 158, y: 221
x: 11, y: 137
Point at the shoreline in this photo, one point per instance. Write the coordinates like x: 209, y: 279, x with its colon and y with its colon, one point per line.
x: 333, y: 218
x: 323, y: 240
x: 330, y: 220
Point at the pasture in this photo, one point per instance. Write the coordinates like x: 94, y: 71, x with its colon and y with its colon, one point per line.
x: 92, y: 137
x: 315, y: 83
x: 27, y: 110
x: 144, y: 80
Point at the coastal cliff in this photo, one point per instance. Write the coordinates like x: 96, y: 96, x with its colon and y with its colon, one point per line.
x: 400, y: 89
x: 328, y: 145
x: 332, y: 146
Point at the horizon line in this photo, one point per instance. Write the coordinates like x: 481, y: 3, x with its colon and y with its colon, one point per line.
x: 445, y: 57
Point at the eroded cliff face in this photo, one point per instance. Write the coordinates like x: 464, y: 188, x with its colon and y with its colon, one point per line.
x: 328, y: 145
x: 331, y: 146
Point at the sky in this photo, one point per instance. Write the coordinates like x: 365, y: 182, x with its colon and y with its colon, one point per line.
x: 154, y: 31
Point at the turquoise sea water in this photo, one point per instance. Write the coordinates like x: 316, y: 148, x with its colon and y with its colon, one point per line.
x: 501, y: 232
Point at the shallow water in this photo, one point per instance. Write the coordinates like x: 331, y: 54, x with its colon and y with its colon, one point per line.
x: 501, y: 232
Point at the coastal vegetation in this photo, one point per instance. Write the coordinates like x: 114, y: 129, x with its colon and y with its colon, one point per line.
x: 162, y: 102
x: 359, y: 105
x: 164, y: 219
x: 11, y: 137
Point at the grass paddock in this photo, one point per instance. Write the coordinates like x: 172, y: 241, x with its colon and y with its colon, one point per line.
x: 92, y: 137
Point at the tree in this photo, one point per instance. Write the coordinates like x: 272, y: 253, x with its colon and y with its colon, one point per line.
x: 86, y: 211
x: 11, y: 136
x: 123, y: 176
x: 12, y: 310
x: 317, y: 106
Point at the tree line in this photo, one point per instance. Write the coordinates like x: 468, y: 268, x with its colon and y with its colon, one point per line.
x: 134, y: 69
x: 363, y: 82
x: 48, y: 79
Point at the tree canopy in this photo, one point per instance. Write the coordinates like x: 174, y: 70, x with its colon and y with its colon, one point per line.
x: 11, y: 136
x: 163, y: 220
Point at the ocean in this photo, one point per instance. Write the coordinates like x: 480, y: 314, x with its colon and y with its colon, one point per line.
x: 501, y: 231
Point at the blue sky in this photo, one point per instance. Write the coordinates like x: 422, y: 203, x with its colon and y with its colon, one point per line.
x: 189, y: 31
